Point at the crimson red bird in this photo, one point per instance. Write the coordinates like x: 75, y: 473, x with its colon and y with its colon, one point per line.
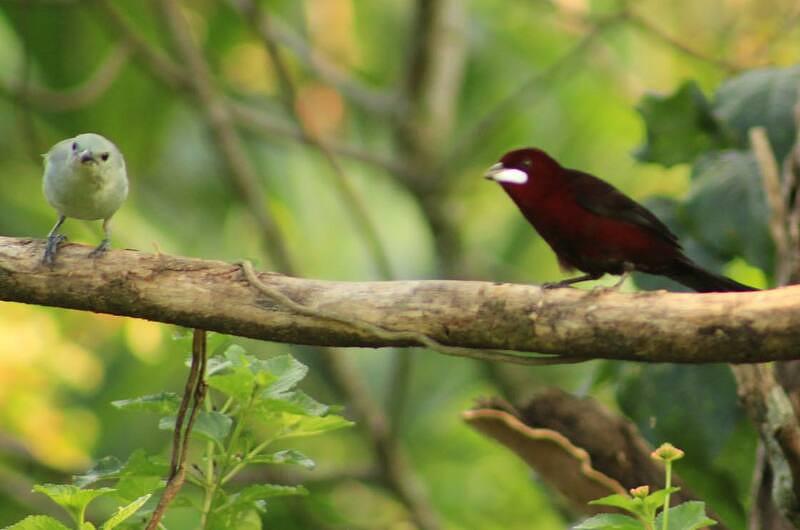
x: 594, y: 227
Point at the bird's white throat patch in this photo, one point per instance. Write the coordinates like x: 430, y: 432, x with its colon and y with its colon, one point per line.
x: 513, y: 176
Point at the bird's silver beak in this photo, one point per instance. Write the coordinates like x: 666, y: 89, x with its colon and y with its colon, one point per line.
x: 86, y: 157
x: 506, y: 175
x: 493, y: 171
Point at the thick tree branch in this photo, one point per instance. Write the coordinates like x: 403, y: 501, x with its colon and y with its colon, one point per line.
x: 213, y: 295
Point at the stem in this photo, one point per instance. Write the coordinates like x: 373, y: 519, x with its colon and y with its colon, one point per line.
x: 226, y: 406
x: 257, y: 449
x: 209, y: 487
x: 667, y: 485
x: 215, y: 485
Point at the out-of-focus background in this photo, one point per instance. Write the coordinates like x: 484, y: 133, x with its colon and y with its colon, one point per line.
x: 358, y: 155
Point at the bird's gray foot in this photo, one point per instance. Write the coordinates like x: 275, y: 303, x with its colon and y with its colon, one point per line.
x: 50, y: 251
x: 100, y: 249
x: 570, y: 281
x: 555, y: 285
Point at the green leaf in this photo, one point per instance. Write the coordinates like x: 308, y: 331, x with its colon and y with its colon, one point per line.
x: 163, y: 403
x: 288, y: 456
x: 295, y: 402
x: 258, y: 492
x: 38, y: 522
x: 764, y: 97
x: 687, y: 516
x: 238, y: 384
x: 617, y: 500
x: 610, y: 521
x: 288, y: 371
x: 133, y: 486
x: 141, y: 475
x: 242, y: 519
x: 657, y: 498
x: 679, y: 126
x: 105, y: 468
x: 71, y: 498
x: 726, y: 209
x: 238, y: 373
x: 250, y: 500
x: 124, y: 512
x: 140, y: 463
x: 296, y: 426
x: 212, y: 425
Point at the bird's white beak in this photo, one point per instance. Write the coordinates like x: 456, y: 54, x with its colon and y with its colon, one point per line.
x: 499, y: 173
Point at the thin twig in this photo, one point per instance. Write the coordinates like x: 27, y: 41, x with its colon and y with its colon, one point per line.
x: 242, y: 173
x: 350, y: 197
x: 246, y: 115
x: 791, y: 190
x: 485, y: 125
x: 193, y: 396
x: 391, y: 335
x: 26, y: 122
x: 81, y: 95
x: 258, y: 121
x: 153, y: 58
x: 788, y: 23
x: 771, y: 183
x: 651, y: 29
x: 370, y: 99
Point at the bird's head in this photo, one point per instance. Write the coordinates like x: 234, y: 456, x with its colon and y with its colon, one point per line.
x: 523, y: 168
x: 94, y: 154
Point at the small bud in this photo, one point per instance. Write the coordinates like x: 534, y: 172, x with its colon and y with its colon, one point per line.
x: 641, y: 492
x: 667, y: 452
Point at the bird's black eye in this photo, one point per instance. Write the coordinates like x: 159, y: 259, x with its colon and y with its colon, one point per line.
x: 74, y: 146
x: 104, y: 157
x: 527, y: 162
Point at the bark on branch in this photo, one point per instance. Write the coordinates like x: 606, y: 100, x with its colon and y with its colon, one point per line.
x: 213, y: 295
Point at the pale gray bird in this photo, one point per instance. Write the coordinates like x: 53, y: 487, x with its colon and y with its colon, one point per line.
x: 84, y: 178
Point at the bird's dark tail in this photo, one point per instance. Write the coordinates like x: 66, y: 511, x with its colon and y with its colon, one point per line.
x: 694, y: 277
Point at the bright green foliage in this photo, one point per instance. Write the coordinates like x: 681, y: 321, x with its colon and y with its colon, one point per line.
x: 75, y: 500
x: 38, y: 522
x: 163, y: 403
x: 690, y: 515
x: 644, y: 508
x: 124, y: 512
x: 610, y: 521
x: 644, y: 505
x: 209, y: 424
x: 71, y: 498
x: 258, y: 404
x: 687, y: 516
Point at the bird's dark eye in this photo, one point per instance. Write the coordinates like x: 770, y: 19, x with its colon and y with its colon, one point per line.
x: 527, y: 162
x: 74, y: 146
x: 104, y: 157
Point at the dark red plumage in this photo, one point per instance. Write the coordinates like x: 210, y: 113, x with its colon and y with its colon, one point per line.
x: 594, y: 227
